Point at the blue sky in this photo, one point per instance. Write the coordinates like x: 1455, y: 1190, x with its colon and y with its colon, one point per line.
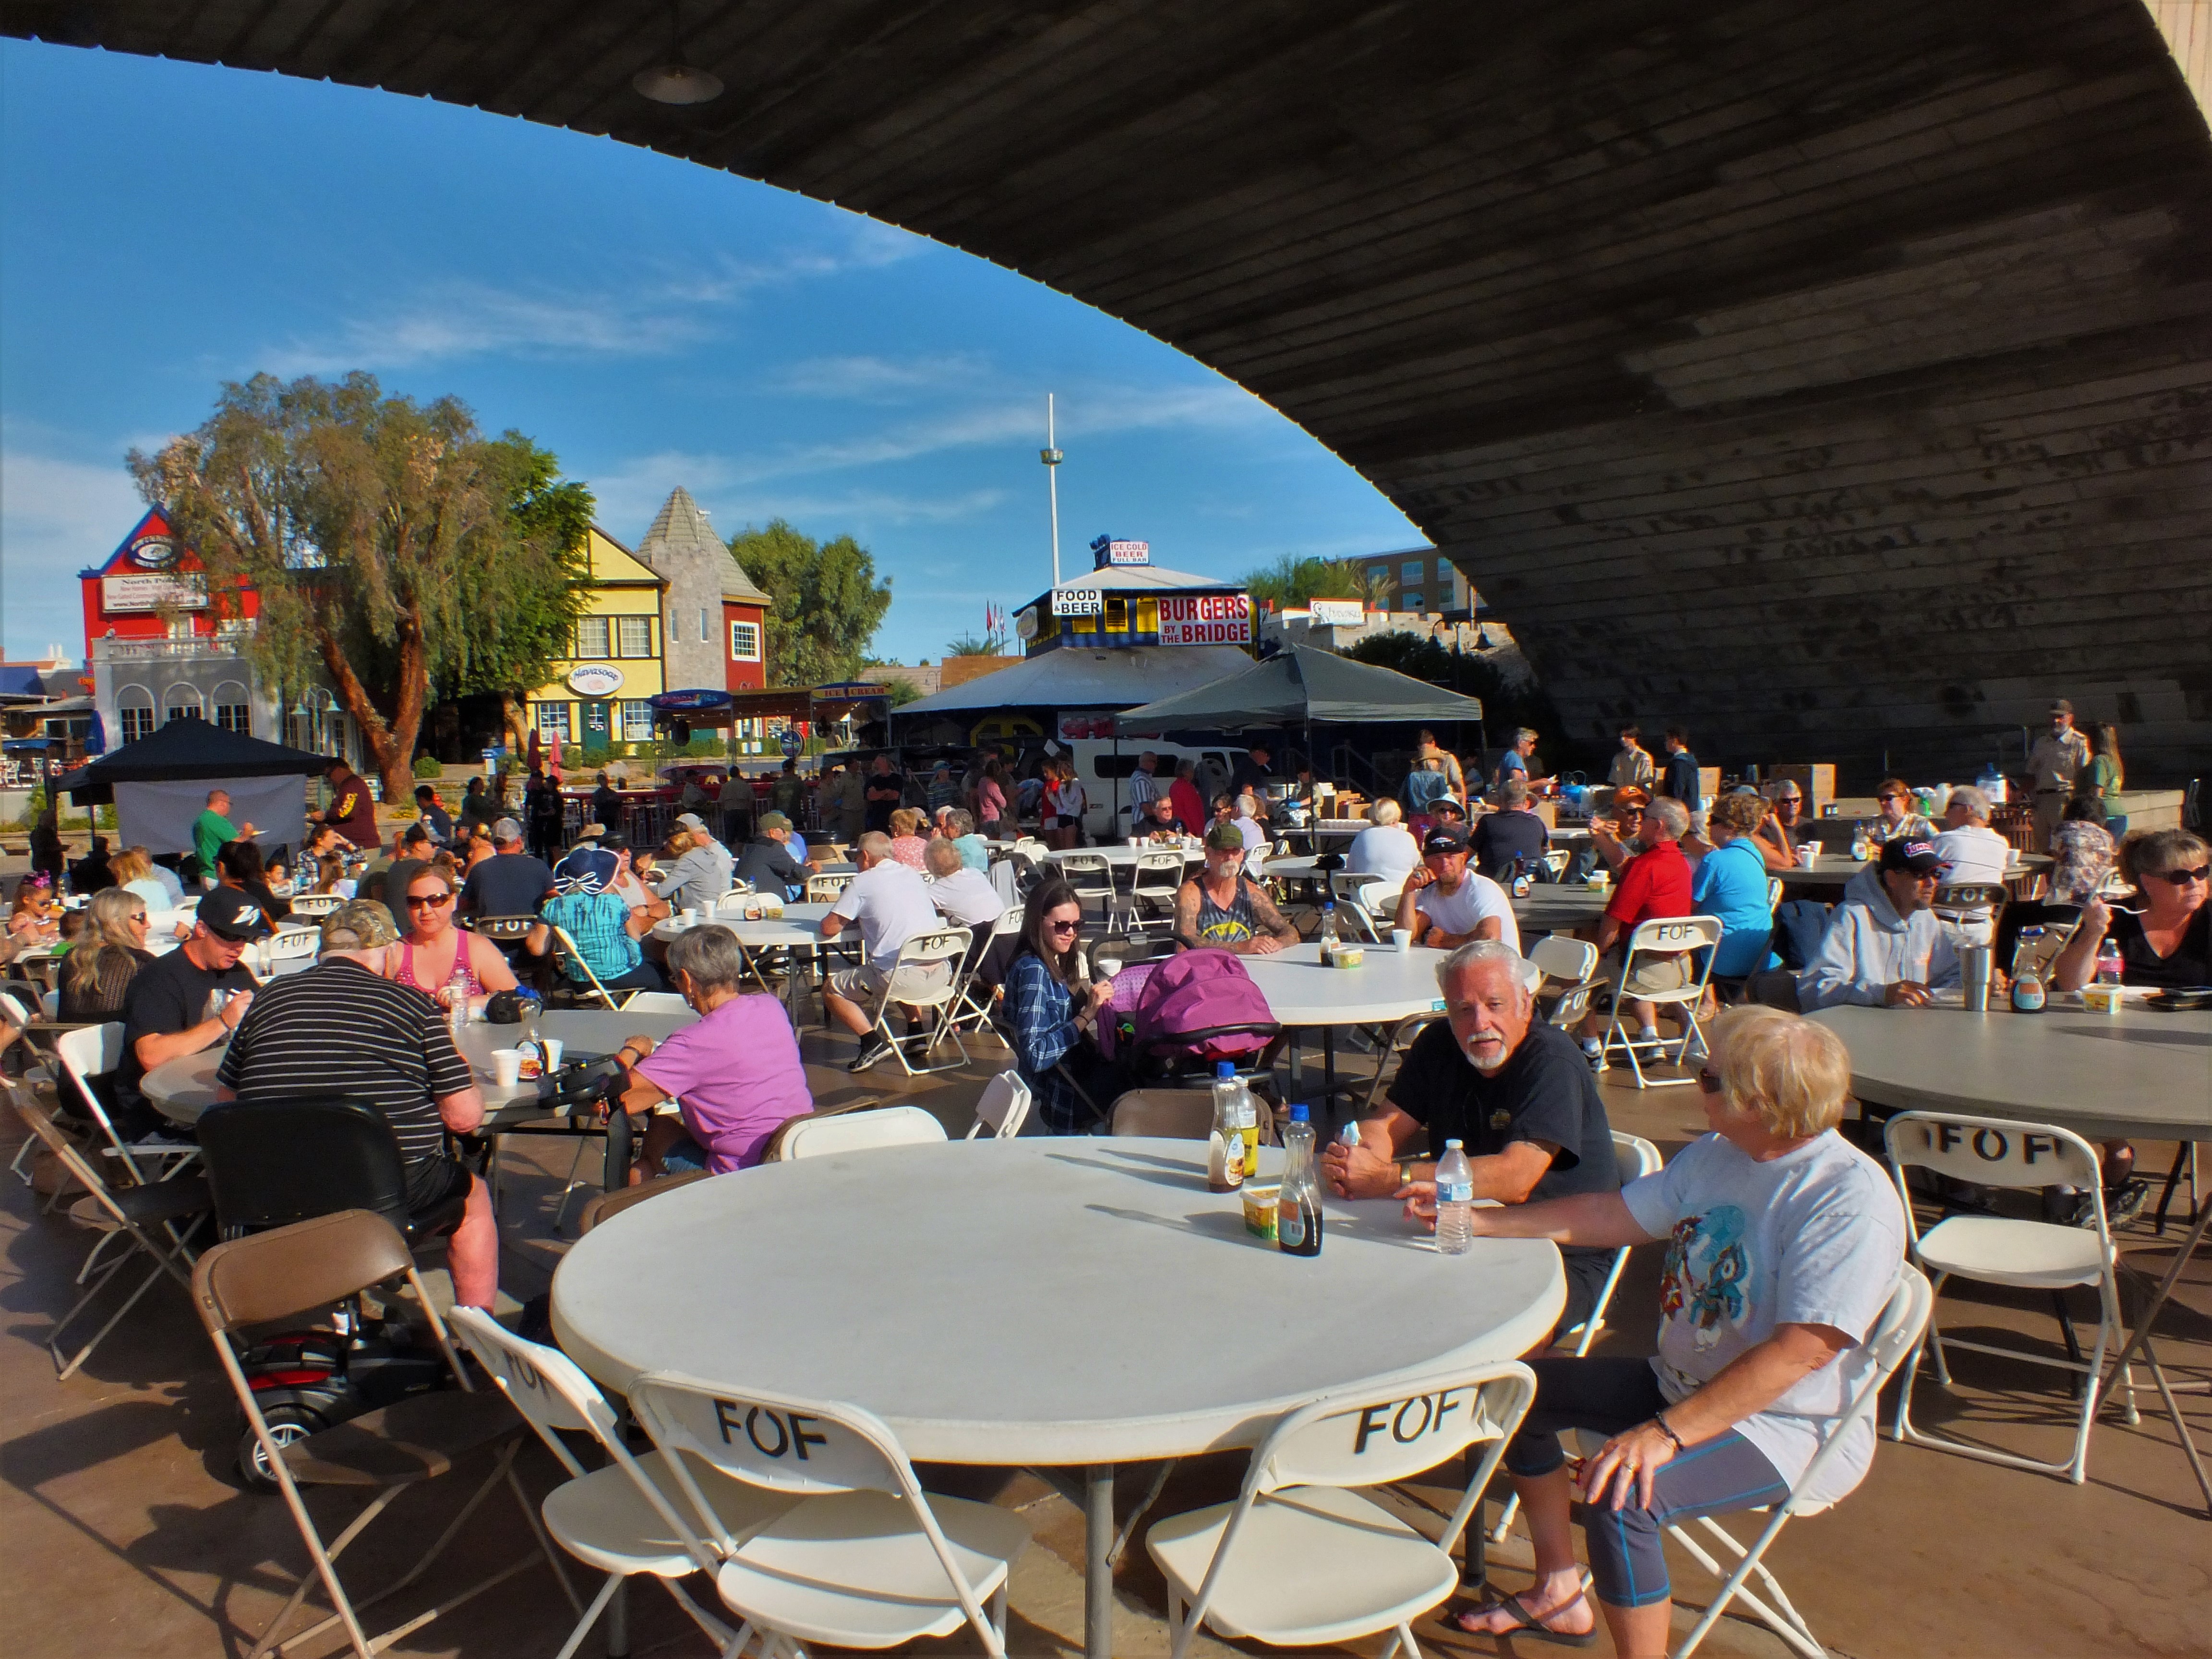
x: 166, y: 226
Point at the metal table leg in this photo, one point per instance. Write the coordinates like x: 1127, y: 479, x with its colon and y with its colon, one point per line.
x: 618, y: 1622
x: 1097, y: 1569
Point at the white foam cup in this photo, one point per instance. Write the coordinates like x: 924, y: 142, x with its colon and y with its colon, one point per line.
x: 507, y: 1066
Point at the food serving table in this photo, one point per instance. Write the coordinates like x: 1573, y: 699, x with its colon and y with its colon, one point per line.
x: 1388, y: 985
x: 1554, y: 907
x: 784, y: 932
x: 1042, y: 1301
x: 2135, y: 1072
x: 1833, y: 872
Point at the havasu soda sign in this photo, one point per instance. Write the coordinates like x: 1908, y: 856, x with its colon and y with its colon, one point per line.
x: 595, y: 680
x: 1206, y: 619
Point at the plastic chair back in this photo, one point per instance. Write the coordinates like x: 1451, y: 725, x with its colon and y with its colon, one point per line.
x: 857, y: 1132
x: 1164, y: 1114
x: 292, y: 1270
x: 1670, y: 936
x: 1569, y: 960
x: 927, y: 972
x: 1002, y: 1108
x: 602, y: 1207
x: 1990, y: 1152
x: 273, y: 1163
x: 813, y: 1448
x: 547, y: 1387
x: 1371, y: 1437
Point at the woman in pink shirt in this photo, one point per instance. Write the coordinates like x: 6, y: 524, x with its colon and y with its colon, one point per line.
x: 907, y: 843
x: 735, y: 1076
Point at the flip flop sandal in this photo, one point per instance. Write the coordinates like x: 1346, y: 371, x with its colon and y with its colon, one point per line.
x: 1530, y: 1625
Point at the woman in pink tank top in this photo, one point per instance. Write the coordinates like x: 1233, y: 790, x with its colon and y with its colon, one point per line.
x: 426, y: 959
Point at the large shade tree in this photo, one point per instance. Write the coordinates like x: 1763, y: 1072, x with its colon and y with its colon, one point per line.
x: 397, y: 552
x: 828, y: 601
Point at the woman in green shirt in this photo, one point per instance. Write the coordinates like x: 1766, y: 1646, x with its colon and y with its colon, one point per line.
x: 2103, y: 777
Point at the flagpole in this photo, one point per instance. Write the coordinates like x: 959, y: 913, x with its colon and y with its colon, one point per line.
x: 1051, y: 457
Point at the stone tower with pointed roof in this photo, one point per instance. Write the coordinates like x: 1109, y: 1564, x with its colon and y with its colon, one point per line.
x: 715, y: 633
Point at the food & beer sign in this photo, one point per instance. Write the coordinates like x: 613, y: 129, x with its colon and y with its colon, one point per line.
x: 1206, y: 619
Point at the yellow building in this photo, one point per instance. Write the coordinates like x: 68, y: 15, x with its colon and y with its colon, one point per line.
x: 600, y: 693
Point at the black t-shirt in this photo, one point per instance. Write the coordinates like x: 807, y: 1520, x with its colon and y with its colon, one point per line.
x: 607, y: 805
x: 339, y: 1030
x: 1501, y: 837
x: 393, y: 889
x: 1545, y: 1092
x: 2190, y: 965
x: 506, y: 884
x: 167, y: 995
x: 477, y: 808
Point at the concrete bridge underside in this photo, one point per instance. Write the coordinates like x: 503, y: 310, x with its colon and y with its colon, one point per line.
x: 1835, y: 378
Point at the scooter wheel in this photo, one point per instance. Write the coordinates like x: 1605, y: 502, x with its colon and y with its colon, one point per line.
x: 286, y: 1425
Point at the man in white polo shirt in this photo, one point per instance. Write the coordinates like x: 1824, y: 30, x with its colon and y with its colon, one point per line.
x: 890, y: 903
x: 1445, y: 904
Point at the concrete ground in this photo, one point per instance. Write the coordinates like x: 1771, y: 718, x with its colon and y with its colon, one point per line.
x: 126, y: 1534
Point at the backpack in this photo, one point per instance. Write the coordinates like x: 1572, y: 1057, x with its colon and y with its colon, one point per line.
x: 1197, y: 1008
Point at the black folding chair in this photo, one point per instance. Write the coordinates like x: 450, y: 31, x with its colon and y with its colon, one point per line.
x: 271, y: 1163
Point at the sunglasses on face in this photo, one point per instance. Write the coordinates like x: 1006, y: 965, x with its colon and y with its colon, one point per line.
x: 2183, y: 878
x: 1887, y: 801
x: 428, y: 901
x: 138, y: 916
x: 1062, y: 927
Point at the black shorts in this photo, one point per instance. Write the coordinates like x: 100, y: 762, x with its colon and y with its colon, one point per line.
x: 1585, y: 1276
x: 433, y: 1182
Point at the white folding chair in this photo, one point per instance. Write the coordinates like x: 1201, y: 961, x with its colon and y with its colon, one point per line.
x: 1571, y: 961
x: 1773, y: 893
x: 316, y: 905
x: 1154, y: 883
x: 857, y: 1132
x: 732, y: 904
x: 1298, y: 1521
x: 927, y: 975
x: 2001, y: 1251
x: 1633, y: 1157
x: 624, y: 1517
x: 566, y: 948
x: 287, y: 945
x: 94, y: 1051
x: 826, y: 889
x: 656, y: 1002
x: 976, y: 1003
x: 1092, y: 878
x: 1690, y: 938
x: 1002, y: 1108
x: 1895, y: 1334
x: 869, y: 1559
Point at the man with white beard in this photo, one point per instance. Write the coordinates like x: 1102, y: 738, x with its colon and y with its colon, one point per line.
x: 1513, y: 1090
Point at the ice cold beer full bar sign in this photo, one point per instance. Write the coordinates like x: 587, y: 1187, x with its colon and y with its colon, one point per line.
x: 1207, y: 619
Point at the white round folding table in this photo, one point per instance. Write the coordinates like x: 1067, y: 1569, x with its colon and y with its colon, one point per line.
x: 1043, y: 1301
x: 1388, y: 985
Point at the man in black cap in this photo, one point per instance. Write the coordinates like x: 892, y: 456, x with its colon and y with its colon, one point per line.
x: 187, y: 1001
x: 1445, y: 904
x: 1884, y: 946
x: 766, y: 864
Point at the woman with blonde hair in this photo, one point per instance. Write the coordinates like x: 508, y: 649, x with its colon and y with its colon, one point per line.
x: 1785, y: 1244
x: 133, y: 869
x: 103, y: 963
x: 908, y: 847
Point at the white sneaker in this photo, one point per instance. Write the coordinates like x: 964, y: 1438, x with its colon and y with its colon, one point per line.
x: 1649, y: 1036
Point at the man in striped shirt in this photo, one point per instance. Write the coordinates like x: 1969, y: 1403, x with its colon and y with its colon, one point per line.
x: 343, y: 1028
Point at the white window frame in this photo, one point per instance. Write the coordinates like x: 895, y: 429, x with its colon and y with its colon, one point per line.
x: 739, y: 653
x: 552, y: 720
x: 233, y: 707
x: 636, y: 715
x: 625, y: 627
x: 147, y: 713
x: 598, y: 645
x: 174, y: 705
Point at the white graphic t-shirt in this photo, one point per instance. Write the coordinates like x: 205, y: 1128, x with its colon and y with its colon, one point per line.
x: 1814, y: 1238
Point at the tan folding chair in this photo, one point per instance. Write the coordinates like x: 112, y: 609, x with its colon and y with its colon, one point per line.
x: 566, y: 948
x: 310, y: 1265
x: 1165, y: 1114
x: 149, y: 1216
x: 604, y: 1207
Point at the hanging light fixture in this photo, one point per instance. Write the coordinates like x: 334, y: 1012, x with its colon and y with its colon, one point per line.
x: 676, y: 81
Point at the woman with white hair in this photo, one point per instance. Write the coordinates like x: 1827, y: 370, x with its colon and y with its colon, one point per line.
x: 1385, y: 848
x: 1785, y: 1244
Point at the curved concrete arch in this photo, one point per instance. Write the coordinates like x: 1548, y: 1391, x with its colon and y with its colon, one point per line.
x: 1836, y: 379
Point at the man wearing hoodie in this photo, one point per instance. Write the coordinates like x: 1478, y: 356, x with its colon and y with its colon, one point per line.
x: 1884, y: 946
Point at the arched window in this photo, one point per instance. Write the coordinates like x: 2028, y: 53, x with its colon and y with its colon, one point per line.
x: 133, y: 710
x: 183, y: 703
x: 233, y: 707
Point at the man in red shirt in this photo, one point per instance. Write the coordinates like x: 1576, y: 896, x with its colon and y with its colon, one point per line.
x: 352, y: 810
x: 1655, y: 883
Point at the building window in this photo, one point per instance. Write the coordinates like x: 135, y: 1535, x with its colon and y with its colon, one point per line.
x: 234, y: 711
x: 135, y: 711
x: 184, y: 703
x: 702, y: 624
x: 744, y: 641
x: 1411, y: 602
x: 1379, y: 574
x: 592, y: 638
x: 636, y: 720
x: 633, y: 636
x: 553, y: 720
x: 1411, y: 571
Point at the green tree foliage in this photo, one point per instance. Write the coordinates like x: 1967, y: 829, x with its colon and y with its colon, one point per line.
x: 395, y: 549
x: 1505, y: 703
x: 828, y: 601
x: 902, y: 692
x: 968, y: 645
x: 1290, y: 581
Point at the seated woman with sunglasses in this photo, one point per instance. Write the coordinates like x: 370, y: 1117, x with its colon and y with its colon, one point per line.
x: 1053, y: 1010
x: 1786, y: 1243
x: 2167, y: 941
x: 425, y: 958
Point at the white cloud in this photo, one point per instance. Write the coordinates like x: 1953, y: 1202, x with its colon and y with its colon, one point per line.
x: 57, y: 517
x: 876, y: 379
x: 629, y: 496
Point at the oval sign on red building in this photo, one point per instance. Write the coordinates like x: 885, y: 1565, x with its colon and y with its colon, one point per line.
x: 595, y: 679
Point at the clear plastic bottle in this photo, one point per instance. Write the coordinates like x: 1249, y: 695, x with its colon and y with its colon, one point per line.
x: 532, y: 1052
x: 1248, y: 1126
x: 1519, y: 875
x: 1328, y: 934
x: 2109, y: 965
x: 1224, y: 1146
x: 1455, y: 1200
x: 1297, y: 1207
x: 457, y: 991
x: 1861, y: 842
x: 2028, y: 995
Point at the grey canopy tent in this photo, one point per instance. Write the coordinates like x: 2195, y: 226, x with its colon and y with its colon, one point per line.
x: 1299, y: 686
x: 159, y: 784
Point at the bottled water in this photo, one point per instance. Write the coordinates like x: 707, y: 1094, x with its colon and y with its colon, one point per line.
x: 457, y: 991
x: 2108, y: 962
x: 1455, y: 1201
x: 1297, y: 1207
x: 1224, y: 1146
x: 1329, y: 934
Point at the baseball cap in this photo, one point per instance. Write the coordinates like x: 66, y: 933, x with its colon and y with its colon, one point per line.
x: 2060, y: 706
x: 231, y: 913
x: 359, y: 925
x: 1918, y: 856
x: 1445, y: 838
x: 1224, y: 837
x: 774, y: 821
x: 691, y: 820
x: 506, y: 829
x: 1629, y: 795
